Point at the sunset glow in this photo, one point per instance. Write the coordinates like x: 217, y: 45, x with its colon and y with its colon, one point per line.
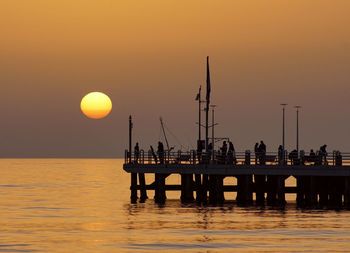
x: 96, y: 105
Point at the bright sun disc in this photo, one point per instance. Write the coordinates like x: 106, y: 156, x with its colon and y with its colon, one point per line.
x: 96, y: 105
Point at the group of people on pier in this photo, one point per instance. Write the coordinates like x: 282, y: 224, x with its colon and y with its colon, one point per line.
x: 227, y: 154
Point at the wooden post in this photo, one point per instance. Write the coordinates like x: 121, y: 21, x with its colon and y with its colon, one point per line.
x: 133, y: 188
x: 143, y: 191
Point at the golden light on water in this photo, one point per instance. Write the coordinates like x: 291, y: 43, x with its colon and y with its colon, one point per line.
x: 96, y: 105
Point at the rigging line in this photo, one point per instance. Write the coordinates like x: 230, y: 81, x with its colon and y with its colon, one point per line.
x: 178, y: 141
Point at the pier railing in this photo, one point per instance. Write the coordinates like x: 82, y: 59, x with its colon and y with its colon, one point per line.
x: 335, y: 158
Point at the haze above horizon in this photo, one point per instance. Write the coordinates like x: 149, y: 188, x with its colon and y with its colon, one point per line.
x: 149, y: 58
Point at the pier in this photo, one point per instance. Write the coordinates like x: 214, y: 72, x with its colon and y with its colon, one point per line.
x: 319, y: 183
x: 322, y: 179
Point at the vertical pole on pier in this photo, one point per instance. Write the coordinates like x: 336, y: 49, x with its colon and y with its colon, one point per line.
x: 212, y: 132
x: 207, y: 107
x: 199, y: 113
x: 130, y: 137
x: 283, y: 128
x: 133, y: 186
x: 297, y: 107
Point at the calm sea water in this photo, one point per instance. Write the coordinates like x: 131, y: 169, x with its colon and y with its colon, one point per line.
x: 71, y: 205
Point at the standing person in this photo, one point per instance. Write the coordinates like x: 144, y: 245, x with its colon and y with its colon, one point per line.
x: 262, y: 151
x: 256, y: 151
x: 323, y: 154
x: 137, y: 152
x: 224, y: 151
x: 280, y: 154
x: 232, y: 152
x: 224, y: 148
x: 160, y: 152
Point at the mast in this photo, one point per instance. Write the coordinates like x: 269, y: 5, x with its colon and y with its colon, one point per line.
x: 166, y: 139
x: 207, y: 107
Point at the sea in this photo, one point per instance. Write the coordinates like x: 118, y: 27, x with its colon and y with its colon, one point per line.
x: 83, y: 205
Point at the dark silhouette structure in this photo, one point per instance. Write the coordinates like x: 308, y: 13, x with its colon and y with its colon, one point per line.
x: 137, y: 152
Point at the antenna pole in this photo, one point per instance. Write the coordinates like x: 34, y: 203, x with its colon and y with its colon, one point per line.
x: 130, y: 137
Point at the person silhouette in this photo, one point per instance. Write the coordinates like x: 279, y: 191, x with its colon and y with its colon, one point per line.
x: 256, y: 151
x: 323, y: 154
x: 137, y: 152
x: 280, y: 153
x: 312, y: 156
x: 262, y: 152
x: 231, y: 154
x: 160, y: 152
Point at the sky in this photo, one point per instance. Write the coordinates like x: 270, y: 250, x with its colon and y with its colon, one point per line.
x: 149, y: 58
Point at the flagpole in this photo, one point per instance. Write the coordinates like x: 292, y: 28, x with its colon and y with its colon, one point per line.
x: 199, y: 114
x: 207, y: 107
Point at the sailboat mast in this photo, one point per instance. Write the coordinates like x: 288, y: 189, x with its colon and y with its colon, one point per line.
x: 166, y: 139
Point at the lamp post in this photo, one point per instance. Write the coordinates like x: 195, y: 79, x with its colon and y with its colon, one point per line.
x: 297, y: 108
x: 283, y: 125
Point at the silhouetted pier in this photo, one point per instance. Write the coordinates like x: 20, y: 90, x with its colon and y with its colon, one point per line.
x: 322, y: 179
x: 319, y: 182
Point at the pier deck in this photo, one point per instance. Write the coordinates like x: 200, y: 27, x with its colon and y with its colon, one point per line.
x: 321, y: 181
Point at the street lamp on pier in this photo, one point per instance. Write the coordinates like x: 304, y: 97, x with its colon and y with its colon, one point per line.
x: 297, y: 108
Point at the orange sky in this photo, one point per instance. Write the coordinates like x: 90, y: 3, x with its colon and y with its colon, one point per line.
x: 149, y: 57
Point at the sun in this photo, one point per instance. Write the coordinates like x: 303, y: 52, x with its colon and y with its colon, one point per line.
x: 96, y: 105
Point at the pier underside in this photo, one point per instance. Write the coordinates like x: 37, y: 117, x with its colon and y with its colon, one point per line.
x: 316, y: 186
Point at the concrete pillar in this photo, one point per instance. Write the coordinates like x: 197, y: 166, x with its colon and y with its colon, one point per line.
x: 300, y: 190
x: 260, y: 182
x: 187, y: 188
x: 159, y: 195
x: 133, y: 188
x: 347, y: 192
x: 271, y: 185
x: 245, y: 189
x: 199, y: 188
x: 281, y: 199
x: 143, y: 191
